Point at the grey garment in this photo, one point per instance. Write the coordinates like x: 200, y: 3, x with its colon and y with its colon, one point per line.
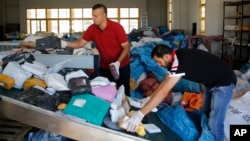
x: 20, y: 58
x: 39, y: 98
x: 48, y: 42
x: 52, y: 42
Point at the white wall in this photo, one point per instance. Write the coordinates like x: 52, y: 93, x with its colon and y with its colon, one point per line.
x: 157, y: 12
x: 186, y: 12
x: 180, y: 15
x: 214, y: 17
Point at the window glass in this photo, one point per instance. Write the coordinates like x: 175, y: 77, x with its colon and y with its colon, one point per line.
x: 28, y: 26
x: 203, y: 1
x: 52, y: 13
x: 43, y: 25
x: 112, y: 12
x: 76, y: 13
x: 170, y: 14
x: 34, y: 27
x: 64, y: 26
x: 124, y: 12
x: 77, y: 25
x: 202, y: 25
x: 133, y: 24
x: 86, y: 24
x: 31, y: 13
x: 134, y: 12
x: 87, y: 13
x: 203, y: 11
x: 41, y: 14
x: 125, y: 23
x: 202, y: 16
x: 53, y: 26
x: 64, y: 13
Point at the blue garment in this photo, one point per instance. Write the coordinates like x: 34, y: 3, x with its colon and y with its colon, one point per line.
x: 215, y: 105
x: 141, y: 61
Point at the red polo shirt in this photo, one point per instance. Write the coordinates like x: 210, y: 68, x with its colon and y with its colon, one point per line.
x: 108, y: 42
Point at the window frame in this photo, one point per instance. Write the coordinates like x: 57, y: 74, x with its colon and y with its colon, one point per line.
x: 202, y: 29
x: 129, y: 22
x: 170, y: 14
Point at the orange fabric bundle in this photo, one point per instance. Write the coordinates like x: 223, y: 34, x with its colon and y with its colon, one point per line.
x: 191, y: 101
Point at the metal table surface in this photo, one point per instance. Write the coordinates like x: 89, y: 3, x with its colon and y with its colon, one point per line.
x: 44, y: 119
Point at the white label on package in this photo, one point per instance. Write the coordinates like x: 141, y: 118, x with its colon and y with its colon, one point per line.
x: 79, y: 102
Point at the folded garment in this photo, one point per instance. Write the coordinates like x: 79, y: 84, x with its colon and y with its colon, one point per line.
x: 105, y: 92
x: 19, y: 57
x: 39, y: 98
x: 191, y: 101
x: 48, y: 42
x: 99, y: 81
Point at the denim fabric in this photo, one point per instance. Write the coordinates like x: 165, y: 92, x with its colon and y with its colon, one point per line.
x: 186, y: 85
x: 215, y: 105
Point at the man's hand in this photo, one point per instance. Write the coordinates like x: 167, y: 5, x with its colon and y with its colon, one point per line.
x: 63, y: 44
x: 134, y: 121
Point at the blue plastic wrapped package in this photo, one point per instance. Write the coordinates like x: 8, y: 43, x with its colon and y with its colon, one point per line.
x: 88, y: 107
x: 176, y: 118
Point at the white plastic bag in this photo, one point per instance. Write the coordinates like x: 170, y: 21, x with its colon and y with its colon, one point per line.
x: 57, y: 67
x: 36, y: 68
x: 56, y: 81
x: 15, y: 70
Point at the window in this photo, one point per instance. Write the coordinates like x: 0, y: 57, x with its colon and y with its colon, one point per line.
x: 70, y: 20
x: 129, y: 18
x: 202, y: 17
x: 170, y: 14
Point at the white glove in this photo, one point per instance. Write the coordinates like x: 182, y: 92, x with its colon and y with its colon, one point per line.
x: 144, y: 101
x: 88, y: 52
x: 63, y: 44
x: 134, y: 121
x: 117, y: 66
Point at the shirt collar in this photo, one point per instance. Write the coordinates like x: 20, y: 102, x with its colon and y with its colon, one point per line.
x: 173, y: 54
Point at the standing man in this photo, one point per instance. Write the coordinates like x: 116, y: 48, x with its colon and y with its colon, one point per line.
x: 112, y: 43
x: 198, y: 66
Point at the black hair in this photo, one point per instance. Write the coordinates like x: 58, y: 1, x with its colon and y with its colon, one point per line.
x: 160, y: 49
x: 96, y: 6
